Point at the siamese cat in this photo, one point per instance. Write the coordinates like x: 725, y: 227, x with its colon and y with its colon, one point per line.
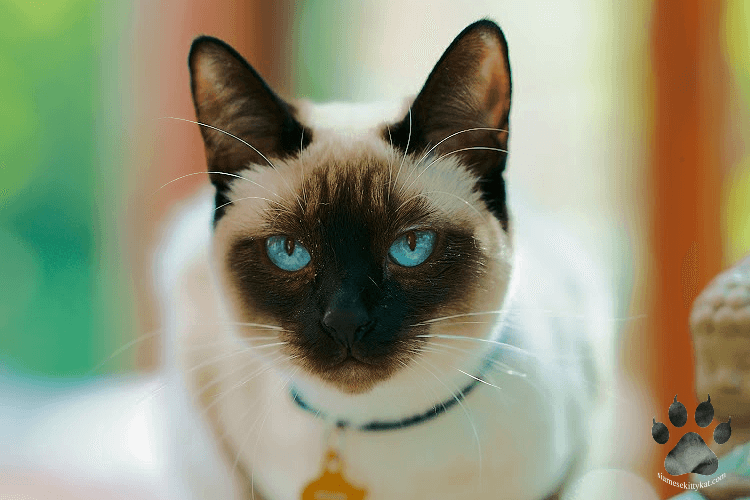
x: 359, y: 300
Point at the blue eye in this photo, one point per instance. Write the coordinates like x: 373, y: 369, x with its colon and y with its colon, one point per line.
x: 413, y: 248
x: 287, y: 253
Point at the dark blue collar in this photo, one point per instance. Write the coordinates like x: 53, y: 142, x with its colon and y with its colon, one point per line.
x: 388, y: 425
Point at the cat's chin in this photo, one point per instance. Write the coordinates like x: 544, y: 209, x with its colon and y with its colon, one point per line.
x: 352, y: 376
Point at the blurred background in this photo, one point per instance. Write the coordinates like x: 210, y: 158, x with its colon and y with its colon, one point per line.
x: 630, y: 120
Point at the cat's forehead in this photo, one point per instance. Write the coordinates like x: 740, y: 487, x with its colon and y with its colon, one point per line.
x: 350, y: 167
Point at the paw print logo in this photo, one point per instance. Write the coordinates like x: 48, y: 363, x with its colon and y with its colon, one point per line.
x: 691, y: 453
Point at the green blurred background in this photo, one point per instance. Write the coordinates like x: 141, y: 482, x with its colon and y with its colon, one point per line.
x: 63, y: 299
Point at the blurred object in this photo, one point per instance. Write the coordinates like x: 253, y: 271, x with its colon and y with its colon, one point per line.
x: 720, y: 325
x: 723, y: 310
x: 612, y: 484
x: 100, y: 439
x: 40, y: 485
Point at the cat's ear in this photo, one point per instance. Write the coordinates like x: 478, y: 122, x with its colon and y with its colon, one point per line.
x: 470, y: 87
x: 230, y: 96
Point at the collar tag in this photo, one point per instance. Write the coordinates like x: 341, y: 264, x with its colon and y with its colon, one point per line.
x: 332, y: 485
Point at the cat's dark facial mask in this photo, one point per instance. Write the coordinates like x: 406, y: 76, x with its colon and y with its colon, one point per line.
x: 354, y: 240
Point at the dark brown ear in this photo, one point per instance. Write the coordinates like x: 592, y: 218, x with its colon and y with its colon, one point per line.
x: 469, y: 87
x: 229, y: 95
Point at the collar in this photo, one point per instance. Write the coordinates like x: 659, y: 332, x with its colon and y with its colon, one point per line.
x: 418, y: 418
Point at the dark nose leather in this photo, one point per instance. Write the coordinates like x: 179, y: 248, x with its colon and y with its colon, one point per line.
x: 347, y: 323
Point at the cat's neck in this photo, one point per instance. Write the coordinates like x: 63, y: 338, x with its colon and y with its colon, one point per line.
x: 409, y: 393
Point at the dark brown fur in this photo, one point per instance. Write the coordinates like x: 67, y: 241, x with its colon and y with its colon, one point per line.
x: 347, y: 222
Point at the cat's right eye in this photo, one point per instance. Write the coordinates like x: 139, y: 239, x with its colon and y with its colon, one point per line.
x: 287, y: 253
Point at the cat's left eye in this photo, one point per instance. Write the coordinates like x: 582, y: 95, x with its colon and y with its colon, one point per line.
x: 412, y: 248
x: 287, y: 253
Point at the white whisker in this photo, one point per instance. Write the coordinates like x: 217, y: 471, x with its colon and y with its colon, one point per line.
x: 123, y: 348
x: 408, y: 141
x: 468, y: 416
x: 473, y: 148
x: 221, y: 395
x: 434, y: 397
x: 283, y: 207
x: 202, y: 344
x: 390, y: 165
x: 302, y: 167
x: 246, y: 144
x: 260, y: 432
x: 478, y: 379
x: 442, y: 318
x: 223, y: 132
x: 225, y: 355
x: 423, y: 195
x: 489, y: 129
x: 510, y: 347
x: 456, y: 323
x: 239, y: 323
x: 503, y: 367
x: 203, y: 172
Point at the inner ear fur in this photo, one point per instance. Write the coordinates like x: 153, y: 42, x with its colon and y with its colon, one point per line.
x: 230, y: 95
x: 469, y: 87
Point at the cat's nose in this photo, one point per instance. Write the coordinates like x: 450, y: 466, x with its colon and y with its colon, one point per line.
x: 347, y: 324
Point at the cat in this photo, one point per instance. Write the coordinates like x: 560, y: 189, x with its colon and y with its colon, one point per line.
x: 357, y: 284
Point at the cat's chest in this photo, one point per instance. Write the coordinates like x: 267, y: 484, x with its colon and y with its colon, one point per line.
x: 497, y: 444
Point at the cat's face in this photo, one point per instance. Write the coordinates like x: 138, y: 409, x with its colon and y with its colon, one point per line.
x: 357, y: 240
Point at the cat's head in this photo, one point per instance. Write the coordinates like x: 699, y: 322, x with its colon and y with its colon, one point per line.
x: 359, y: 241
